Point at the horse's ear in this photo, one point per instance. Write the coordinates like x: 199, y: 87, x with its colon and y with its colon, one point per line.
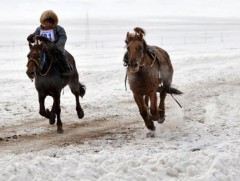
x: 127, y: 38
x: 140, y: 34
x: 30, y: 45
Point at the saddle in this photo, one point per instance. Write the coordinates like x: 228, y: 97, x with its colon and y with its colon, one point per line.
x: 57, y: 57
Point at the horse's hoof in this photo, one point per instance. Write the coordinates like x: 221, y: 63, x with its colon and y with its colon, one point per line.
x: 151, y: 128
x: 161, y: 120
x: 161, y: 117
x: 51, y: 121
x: 80, y: 114
x: 47, y: 113
x: 51, y: 117
x: 151, y: 134
x: 60, y: 130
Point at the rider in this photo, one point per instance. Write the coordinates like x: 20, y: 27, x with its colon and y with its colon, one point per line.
x: 49, y: 28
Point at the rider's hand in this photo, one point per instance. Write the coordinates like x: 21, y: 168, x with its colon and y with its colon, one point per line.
x: 31, y: 38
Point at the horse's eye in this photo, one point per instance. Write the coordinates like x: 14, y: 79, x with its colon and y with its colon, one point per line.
x: 140, y: 48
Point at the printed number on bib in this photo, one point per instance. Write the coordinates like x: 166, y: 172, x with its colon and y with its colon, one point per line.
x: 48, y: 34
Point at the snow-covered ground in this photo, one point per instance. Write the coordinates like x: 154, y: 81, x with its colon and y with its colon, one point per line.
x: 198, y: 142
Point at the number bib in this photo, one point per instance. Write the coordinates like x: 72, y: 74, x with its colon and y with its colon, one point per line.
x: 48, y: 34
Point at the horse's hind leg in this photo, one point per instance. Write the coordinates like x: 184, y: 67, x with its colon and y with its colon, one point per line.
x: 161, y: 108
x: 78, y: 90
x: 79, y: 109
x: 144, y: 112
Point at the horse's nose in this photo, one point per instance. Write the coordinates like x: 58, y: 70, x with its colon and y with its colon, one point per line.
x: 30, y: 74
x: 133, y: 64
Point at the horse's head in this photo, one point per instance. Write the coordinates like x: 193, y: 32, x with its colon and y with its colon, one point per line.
x: 136, y: 46
x: 34, y: 56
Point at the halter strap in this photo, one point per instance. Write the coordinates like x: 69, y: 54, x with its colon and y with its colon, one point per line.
x: 34, y: 60
x: 38, y: 64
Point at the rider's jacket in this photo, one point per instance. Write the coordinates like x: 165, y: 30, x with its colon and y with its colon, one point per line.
x: 57, y: 34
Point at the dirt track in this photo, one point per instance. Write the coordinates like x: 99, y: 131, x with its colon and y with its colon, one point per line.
x: 25, y: 140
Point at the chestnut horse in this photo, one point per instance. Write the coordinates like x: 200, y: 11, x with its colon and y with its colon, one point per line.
x: 48, y: 79
x: 149, y: 70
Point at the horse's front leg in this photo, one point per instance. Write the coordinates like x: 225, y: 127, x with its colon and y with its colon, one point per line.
x: 161, y: 108
x: 153, y: 106
x: 146, y: 100
x: 41, y: 99
x: 51, y: 114
x: 144, y: 112
x: 56, y: 109
x: 45, y: 112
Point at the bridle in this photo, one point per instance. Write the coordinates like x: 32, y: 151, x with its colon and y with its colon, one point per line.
x: 34, y: 60
x: 151, y: 54
x: 37, y: 62
x: 146, y: 50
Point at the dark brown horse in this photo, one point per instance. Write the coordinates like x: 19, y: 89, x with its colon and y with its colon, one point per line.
x: 48, y: 79
x: 149, y: 70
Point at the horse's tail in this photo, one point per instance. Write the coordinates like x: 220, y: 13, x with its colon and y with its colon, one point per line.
x: 173, y: 90
x: 169, y: 90
x: 82, y: 89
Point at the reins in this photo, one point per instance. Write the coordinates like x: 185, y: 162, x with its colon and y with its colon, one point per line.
x: 176, y: 100
x: 47, y: 69
x: 37, y: 63
x: 144, y: 65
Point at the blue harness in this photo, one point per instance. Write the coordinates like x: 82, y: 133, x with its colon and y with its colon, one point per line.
x: 43, y: 60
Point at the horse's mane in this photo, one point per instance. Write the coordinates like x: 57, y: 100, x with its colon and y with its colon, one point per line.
x: 136, y: 36
x: 139, y: 30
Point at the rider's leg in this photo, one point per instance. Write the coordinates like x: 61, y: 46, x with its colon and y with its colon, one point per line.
x: 61, y: 58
